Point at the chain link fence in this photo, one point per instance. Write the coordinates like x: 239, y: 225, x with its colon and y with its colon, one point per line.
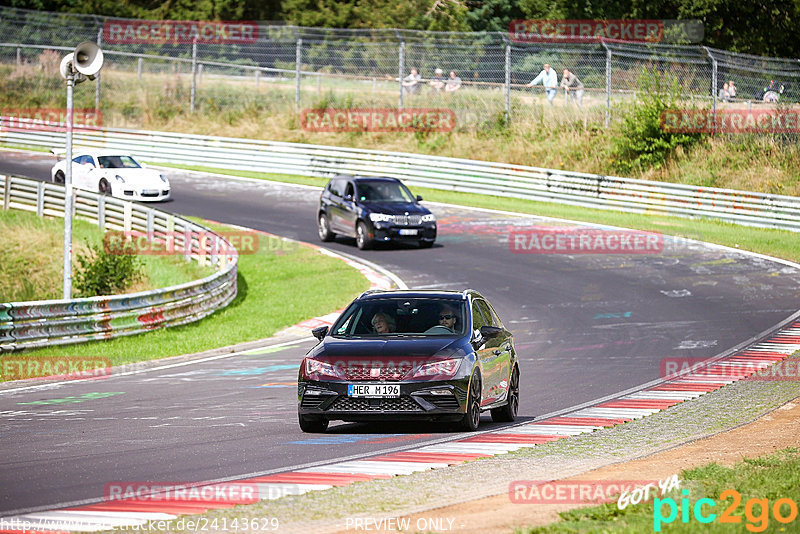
x: 324, y: 67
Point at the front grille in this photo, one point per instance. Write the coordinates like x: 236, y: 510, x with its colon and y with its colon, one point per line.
x: 364, y: 372
x: 350, y: 404
x: 312, y: 401
x: 148, y: 193
x: 407, y: 220
x: 444, y: 402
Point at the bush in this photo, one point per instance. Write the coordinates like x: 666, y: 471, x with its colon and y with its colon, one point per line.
x: 642, y: 143
x: 103, y: 273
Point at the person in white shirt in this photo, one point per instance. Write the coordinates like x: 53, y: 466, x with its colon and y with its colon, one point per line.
x: 549, y: 80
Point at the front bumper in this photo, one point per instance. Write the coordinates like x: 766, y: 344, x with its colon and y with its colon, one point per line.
x: 417, y: 401
x: 143, y: 195
x: 390, y: 232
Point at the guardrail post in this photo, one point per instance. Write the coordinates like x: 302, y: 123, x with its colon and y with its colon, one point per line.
x: 40, y: 199
x: 127, y: 212
x: 101, y: 212
x: 194, y: 75
x: 298, y: 64
x: 149, y: 227
x: 187, y: 242
x: 6, y: 191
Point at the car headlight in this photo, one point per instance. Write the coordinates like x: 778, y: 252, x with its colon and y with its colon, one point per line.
x: 317, y: 370
x: 441, y: 369
x: 163, y: 179
x: 120, y: 178
x: 430, y: 217
x: 381, y: 217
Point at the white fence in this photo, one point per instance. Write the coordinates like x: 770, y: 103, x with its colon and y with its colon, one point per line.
x: 464, y: 175
x: 57, y: 322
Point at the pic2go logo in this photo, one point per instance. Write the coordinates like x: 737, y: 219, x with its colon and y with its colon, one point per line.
x: 783, y: 510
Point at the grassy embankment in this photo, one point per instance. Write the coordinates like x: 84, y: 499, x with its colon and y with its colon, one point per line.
x: 278, y: 287
x: 559, y: 137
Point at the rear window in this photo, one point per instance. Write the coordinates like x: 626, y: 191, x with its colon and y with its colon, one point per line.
x: 401, y: 317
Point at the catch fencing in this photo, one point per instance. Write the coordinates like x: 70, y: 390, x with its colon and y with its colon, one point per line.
x: 436, y: 172
x: 327, y: 67
x: 34, y: 324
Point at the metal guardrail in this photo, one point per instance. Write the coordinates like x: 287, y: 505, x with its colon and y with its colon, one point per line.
x: 452, y: 174
x: 36, y: 324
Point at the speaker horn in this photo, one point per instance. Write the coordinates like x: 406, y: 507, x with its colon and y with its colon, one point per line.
x: 88, y: 59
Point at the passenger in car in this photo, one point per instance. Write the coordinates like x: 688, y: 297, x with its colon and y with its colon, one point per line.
x: 383, y: 323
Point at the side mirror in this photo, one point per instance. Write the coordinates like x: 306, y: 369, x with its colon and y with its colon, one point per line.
x: 320, y: 332
x: 488, y: 332
x: 419, y: 198
x: 348, y: 198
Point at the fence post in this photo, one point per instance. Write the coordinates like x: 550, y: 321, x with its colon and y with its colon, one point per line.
x: 298, y: 63
x: 401, y: 68
x: 139, y: 69
x: 19, y: 56
x: 97, y: 81
x: 194, y: 75
x: 713, y: 79
x: 40, y: 199
x: 608, y: 83
x: 6, y: 191
x: 101, y: 212
x: 258, y: 77
x: 508, y: 83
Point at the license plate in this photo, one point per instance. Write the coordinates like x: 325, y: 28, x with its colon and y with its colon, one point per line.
x: 151, y: 191
x: 408, y: 231
x: 373, y: 390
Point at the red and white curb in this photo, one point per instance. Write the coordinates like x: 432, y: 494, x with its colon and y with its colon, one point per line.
x: 737, y: 366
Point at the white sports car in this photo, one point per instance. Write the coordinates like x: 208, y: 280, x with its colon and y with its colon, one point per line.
x: 113, y: 173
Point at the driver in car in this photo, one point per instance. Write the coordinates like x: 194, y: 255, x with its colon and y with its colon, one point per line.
x: 448, y: 318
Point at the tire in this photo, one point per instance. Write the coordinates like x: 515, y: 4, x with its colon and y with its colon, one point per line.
x: 324, y: 228
x: 363, y: 240
x: 425, y: 244
x: 104, y: 187
x: 312, y: 426
x: 59, y: 178
x: 508, y: 412
x: 472, y: 419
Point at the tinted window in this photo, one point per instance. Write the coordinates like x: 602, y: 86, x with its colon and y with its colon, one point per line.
x: 117, y: 162
x: 348, y: 190
x: 477, y: 316
x: 383, y: 191
x: 336, y: 187
x: 409, y: 316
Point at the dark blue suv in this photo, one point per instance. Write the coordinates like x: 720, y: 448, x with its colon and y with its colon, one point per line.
x: 373, y: 210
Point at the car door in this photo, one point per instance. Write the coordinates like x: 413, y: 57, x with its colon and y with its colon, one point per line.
x: 503, y: 348
x: 349, y: 208
x: 487, y: 359
x: 80, y: 170
x: 332, y: 203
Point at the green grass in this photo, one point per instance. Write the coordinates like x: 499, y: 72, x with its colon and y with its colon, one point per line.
x: 771, y: 477
x: 777, y: 243
x: 279, y: 286
x: 31, y: 268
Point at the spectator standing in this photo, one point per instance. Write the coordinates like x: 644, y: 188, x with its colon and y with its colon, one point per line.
x: 549, y: 80
x: 731, y: 90
x: 453, y: 82
x: 724, y: 93
x: 438, y: 81
x: 412, y: 83
x: 570, y: 82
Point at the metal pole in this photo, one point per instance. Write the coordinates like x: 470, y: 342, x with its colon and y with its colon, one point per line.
x: 401, y: 68
x: 194, y: 75
x: 139, y: 69
x: 298, y: 63
x: 67, y: 294
x: 97, y: 76
x: 608, y: 83
x: 258, y: 77
x: 713, y: 79
x: 508, y: 82
x: 19, y: 56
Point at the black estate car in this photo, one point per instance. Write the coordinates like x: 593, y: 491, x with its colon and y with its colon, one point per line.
x: 410, y: 355
x: 373, y: 210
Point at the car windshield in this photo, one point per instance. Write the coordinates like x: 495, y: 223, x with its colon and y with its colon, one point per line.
x: 401, y: 317
x: 383, y: 191
x: 117, y: 162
